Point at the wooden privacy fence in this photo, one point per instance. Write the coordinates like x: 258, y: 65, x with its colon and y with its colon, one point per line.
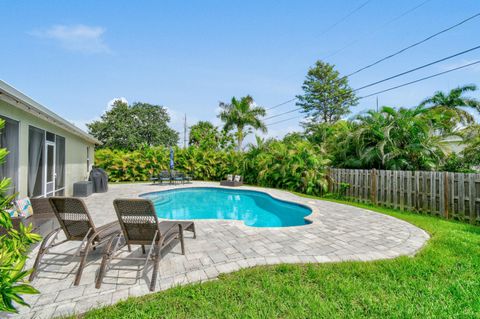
x: 450, y: 195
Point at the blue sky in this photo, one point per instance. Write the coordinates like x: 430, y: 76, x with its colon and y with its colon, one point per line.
x: 75, y: 57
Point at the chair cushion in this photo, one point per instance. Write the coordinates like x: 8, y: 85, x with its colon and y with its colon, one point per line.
x: 237, y: 178
x: 13, y: 212
x: 24, y: 207
x: 229, y: 177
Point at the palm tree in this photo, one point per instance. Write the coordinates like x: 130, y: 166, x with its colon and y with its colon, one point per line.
x: 453, y: 103
x: 243, y: 115
x: 399, y: 139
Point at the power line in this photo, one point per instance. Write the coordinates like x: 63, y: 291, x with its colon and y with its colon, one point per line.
x: 394, y: 54
x: 398, y: 86
x: 280, y: 114
x: 422, y: 79
x: 379, y: 28
x: 415, y: 44
x: 289, y: 119
x: 283, y: 103
x: 344, y: 18
x: 417, y: 68
x: 390, y: 78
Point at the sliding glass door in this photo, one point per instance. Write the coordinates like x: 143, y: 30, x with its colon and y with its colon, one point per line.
x: 46, y: 164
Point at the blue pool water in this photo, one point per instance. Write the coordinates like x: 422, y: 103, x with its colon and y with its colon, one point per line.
x: 254, y: 208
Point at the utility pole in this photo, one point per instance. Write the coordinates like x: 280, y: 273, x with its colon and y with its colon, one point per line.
x: 185, y: 132
x: 377, y: 103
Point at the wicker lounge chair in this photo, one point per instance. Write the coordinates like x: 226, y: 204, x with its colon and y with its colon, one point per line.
x: 76, y: 223
x: 154, y: 179
x: 187, y: 178
x: 164, y: 176
x: 140, y: 226
x: 232, y: 181
x: 178, y: 177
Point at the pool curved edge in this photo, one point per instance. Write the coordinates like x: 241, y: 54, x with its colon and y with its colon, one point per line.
x: 294, y: 201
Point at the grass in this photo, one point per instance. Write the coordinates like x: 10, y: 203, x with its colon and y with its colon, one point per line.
x: 441, y: 281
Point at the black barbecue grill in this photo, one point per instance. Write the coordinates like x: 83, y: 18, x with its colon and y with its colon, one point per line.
x: 100, y: 180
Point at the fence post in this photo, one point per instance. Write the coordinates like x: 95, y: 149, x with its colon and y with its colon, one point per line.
x: 472, y: 198
x: 445, y: 193
x: 373, y: 186
x: 329, y: 180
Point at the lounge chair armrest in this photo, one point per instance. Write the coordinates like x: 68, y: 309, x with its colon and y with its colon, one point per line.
x: 171, y: 229
x: 108, y: 228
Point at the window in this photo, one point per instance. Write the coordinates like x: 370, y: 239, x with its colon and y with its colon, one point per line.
x: 9, y: 139
x: 50, y: 137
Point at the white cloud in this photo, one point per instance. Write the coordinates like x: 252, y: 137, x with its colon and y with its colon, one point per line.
x: 82, y: 124
x: 80, y: 38
x: 112, y: 101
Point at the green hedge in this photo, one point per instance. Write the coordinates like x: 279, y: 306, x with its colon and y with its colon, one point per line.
x: 298, y: 166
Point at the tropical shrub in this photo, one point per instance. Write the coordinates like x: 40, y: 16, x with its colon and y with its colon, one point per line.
x: 395, y: 139
x: 297, y: 165
x: 471, y: 153
x: 140, y: 165
x: 13, y: 252
x: 402, y: 139
x: 457, y: 163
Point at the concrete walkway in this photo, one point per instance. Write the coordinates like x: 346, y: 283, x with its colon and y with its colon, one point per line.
x: 338, y: 233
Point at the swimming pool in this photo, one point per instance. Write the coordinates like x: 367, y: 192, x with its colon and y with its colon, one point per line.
x: 254, y: 208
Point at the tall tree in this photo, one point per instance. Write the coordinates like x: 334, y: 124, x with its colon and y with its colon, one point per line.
x: 205, y: 135
x: 131, y: 126
x: 243, y: 115
x: 453, y: 104
x: 327, y: 96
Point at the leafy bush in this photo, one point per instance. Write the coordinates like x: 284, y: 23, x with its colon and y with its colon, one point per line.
x: 297, y: 165
x: 14, y: 246
x: 456, y: 163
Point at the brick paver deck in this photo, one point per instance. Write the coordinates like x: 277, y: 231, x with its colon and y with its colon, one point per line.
x: 338, y: 233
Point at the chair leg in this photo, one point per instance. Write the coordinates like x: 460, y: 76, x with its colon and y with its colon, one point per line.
x: 143, y: 249
x: 194, y: 231
x: 155, y: 268
x: 43, y: 248
x: 105, y: 261
x: 182, y: 242
x: 83, y: 260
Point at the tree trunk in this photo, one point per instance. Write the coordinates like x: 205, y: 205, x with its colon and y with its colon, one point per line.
x: 239, y: 139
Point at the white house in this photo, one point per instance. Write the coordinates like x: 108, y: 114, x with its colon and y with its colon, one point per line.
x: 47, y: 153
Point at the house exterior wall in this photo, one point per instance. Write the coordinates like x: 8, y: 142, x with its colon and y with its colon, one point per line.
x: 75, y: 148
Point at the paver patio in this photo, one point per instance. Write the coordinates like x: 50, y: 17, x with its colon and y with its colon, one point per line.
x: 338, y: 233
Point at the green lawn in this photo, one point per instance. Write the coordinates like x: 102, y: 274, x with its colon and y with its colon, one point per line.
x: 442, y: 281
